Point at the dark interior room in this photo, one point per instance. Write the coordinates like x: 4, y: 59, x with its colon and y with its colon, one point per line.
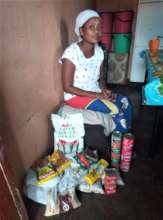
x: 34, y: 35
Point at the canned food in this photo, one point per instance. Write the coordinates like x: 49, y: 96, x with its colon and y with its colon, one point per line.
x: 126, y: 153
x: 116, y: 139
x: 110, y: 183
x: 117, y: 151
x: 115, y: 156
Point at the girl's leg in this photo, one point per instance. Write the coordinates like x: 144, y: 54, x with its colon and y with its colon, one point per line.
x: 83, y: 102
x: 79, y: 102
x: 125, y: 108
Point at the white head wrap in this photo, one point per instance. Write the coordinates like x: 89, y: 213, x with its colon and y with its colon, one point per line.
x: 82, y: 18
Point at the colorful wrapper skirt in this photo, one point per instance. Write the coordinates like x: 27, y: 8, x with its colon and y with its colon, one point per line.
x: 120, y: 109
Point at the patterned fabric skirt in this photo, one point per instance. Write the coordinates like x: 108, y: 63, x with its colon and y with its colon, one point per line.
x: 121, y: 109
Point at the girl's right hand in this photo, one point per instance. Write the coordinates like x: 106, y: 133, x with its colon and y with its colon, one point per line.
x: 106, y: 95
x: 101, y: 95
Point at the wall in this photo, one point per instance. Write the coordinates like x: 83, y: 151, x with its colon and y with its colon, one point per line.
x: 34, y: 34
x: 120, y: 5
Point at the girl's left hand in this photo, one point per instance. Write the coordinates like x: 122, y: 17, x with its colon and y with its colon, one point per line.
x: 107, y: 93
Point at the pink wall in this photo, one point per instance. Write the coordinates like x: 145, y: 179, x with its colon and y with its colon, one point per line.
x: 34, y: 34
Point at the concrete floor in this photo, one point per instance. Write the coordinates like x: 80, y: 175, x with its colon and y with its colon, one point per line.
x: 140, y: 199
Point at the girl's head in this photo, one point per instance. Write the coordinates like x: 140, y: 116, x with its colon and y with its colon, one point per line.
x: 88, y: 26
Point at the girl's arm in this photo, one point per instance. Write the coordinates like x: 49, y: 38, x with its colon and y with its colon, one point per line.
x: 68, y: 69
x: 102, y: 82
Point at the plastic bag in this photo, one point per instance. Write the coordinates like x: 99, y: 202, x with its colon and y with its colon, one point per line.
x: 38, y: 193
x: 60, y: 203
x: 74, y: 199
x: 69, y: 200
x: 95, y: 188
x: 120, y: 181
x: 53, y: 205
x: 153, y: 92
x: 68, y: 134
x: 70, y: 179
x: 51, y: 166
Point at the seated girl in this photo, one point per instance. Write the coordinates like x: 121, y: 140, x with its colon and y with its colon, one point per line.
x: 82, y: 73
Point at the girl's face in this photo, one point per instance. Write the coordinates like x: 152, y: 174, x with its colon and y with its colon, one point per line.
x: 91, y: 31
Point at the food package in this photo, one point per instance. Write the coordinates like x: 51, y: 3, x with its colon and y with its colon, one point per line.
x: 51, y: 166
x: 44, y: 170
x: 95, y: 188
x: 86, y: 158
x: 73, y: 198
x: 69, y: 180
x: 96, y: 171
x: 59, y: 161
x: 69, y: 200
x: 60, y: 203
x: 53, y: 203
x: 38, y: 193
x: 110, y: 183
x: 68, y: 133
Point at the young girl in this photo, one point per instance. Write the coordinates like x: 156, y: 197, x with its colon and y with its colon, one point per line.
x: 82, y: 71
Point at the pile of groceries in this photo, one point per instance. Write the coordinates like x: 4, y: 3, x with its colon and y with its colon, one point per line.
x: 54, y: 179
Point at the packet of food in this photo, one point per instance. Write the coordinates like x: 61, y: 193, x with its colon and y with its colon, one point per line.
x: 86, y: 158
x: 96, y: 171
x: 68, y: 133
x: 53, y: 206
x: 65, y: 203
x: 83, y: 160
x: 110, y: 183
x: 94, y: 188
x: 38, y: 193
x: 44, y: 170
x: 59, y: 161
x: 73, y: 198
x: 51, y: 166
x: 70, y: 179
x: 68, y: 200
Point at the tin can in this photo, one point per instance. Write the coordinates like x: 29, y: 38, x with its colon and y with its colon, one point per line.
x: 115, y: 156
x: 116, y: 140
x: 110, y: 183
x: 115, y: 160
x: 126, y: 153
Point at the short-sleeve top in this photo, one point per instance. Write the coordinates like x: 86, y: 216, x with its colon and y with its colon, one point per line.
x: 87, y: 70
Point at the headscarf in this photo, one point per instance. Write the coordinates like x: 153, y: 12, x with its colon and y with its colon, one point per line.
x: 82, y: 18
